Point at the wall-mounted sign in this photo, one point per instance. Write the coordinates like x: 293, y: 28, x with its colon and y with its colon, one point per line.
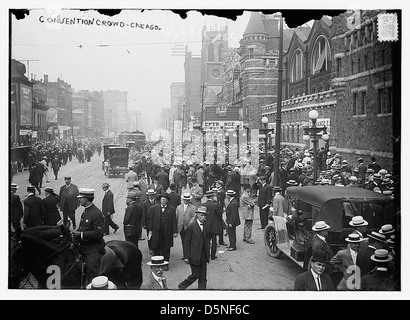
x: 221, y: 125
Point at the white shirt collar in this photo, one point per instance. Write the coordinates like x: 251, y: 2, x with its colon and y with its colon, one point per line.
x: 354, y: 255
x: 157, y: 279
x: 106, y: 190
x: 321, y: 237
x: 315, y: 277
x: 201, y: 225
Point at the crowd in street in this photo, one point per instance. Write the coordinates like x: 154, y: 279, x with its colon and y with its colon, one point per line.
x: 202, y: 203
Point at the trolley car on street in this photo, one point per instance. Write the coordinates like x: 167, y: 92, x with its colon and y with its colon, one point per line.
x: 138, y: 137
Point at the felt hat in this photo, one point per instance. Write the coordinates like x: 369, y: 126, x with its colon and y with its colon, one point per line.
x: 86, y: 192
x: 354, y: 238
x: 157, y: 261
x: 49, y: 189
x: 320, y: 226
x: 101, y: 283
x: 358, y: 221
x: 67, y: 178
x: 381, y: 255
x: 230, y: 193
x: 173, y: 186
x: 202, y: 209
x: 164, y: 195
x: 105, y: 184
x: 319, y: 256
x: 132, y: 195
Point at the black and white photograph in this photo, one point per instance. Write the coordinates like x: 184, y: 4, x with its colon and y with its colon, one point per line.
x: 184, y: 151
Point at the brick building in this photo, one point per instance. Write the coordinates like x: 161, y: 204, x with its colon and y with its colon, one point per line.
x: 115, y: 111
x: 192, y: 66
x: 362, y: 77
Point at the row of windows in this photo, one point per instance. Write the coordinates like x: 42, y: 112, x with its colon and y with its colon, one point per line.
x: 320, y: 60
x: 363, y: 63
x: 384, y: 101
x: 360, y: 37
x: 40, y: 120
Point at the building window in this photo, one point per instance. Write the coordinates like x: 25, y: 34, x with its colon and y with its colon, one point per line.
x: 321, y: 55
x: 220, y: 52
x: 380, y: 100
x: 211, y: 57
x: 297, y: 133
x: 338, y: 67
x: 352, y: 65
x: 365, y: 67
x: 293, y: 133
x: 355, y: 103
x: 358, y: 65
x: 362, y: 108
x: 297, y: 66
x: 250, y: 53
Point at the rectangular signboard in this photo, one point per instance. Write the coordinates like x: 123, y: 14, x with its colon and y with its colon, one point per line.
x: 26, y: 105
x: 221, y: 125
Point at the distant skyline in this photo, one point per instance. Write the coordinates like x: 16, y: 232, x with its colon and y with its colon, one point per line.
x: 78, y: 48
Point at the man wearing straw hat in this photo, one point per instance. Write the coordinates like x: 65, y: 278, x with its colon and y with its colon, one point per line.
x: 196, y: 250
x: 346, y: 258
x: 101, y: 283
x: 156, y: 280
x: 364, y: 261
x: 319, y: 241
x: 382, y: 278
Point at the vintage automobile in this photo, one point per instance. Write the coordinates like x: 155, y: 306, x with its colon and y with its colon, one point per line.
x: 292, y: 235
x: 118, y: 160
x: 105, y: 152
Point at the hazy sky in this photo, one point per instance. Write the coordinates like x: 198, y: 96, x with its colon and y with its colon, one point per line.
x: 122, y: 57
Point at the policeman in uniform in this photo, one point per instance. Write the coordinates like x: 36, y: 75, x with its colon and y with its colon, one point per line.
x: 90, y: 233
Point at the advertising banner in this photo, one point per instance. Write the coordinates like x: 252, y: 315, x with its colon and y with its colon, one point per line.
x: 26, y: 105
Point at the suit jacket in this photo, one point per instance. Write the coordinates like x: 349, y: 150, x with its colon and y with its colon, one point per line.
x: 342, y: 260
x: 36, y: 174
x: 108, y: 203
x: 199, y: 174
x: 364, y: 262
x: 213, y: 218
x: 151, y: 284
x: 184, y: 217
x: 306, y: 282
x: 33, y: 211
x: 144, y: 188
x: 132, y: 219
x: 163, y: 179
x: 170, y: 226
x: 16, y: 210
x: 320, y: 245
x: 146, y: 205
x: 174, y: 199
x: 377, y: 280
x: 131, y: 176
x: 232, y: 213
x: 233, y: 182
x: 247, y: 206
x: 265, y: 195
x: 91, y: 226
x: 69, y: 196
x: 278, y: 205
x: 195, y: 242
x: 51, y: 215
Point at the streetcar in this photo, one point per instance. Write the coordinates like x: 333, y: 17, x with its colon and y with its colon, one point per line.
x: 137, y: 136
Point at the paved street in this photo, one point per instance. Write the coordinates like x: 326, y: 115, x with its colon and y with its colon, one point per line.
x: 247, y: 268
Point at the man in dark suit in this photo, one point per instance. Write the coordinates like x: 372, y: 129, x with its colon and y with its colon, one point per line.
x: 132, y: 218
x: 212, y: 222
x: 158, y: 188
x: 90, y: 233
x: 16, y: 208
x: 33, y: 209
x: 361, y: 178
x: 156, y: 280
x: 35, y: 177
x: 162, y: 228
x: 146, y: 205
x: 196, y: 250
x: 108, y: 209
x: 315, y: 279
x: 68, y: 201
x: 364, y: 261
x: 50, y: 202
x: 163, y: 179
x: 264, y: 201
x: 319, y: 241
x: 233, y: 182
x: 174, y: 197
x: 232, y: 219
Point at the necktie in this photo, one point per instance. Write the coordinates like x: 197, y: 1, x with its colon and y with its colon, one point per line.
x: 319, y: 283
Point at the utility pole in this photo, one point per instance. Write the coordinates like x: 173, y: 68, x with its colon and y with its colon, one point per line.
x: 279, y: 104
x: 28, y: 66
x: 202, y: 123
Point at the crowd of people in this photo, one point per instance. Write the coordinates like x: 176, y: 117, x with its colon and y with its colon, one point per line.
x: 202, y: 204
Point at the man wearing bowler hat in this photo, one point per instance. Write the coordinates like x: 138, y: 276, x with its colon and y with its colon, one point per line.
x: 264, y: 201
x: 51, y: 213
x: 156, y: 280
x: 162, y: 227
x: 68, y: 201
x: 196, y: 250
x: 132, y: 218
x: 33, y: 209
x: 90, y: 234
x: 108, y: 209
x: 315, y: 279
x: 16, y: 209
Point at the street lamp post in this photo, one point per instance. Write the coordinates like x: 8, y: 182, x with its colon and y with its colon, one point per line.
x: 265, y: 131
x: 237, y: 123
x: 314, y: 133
